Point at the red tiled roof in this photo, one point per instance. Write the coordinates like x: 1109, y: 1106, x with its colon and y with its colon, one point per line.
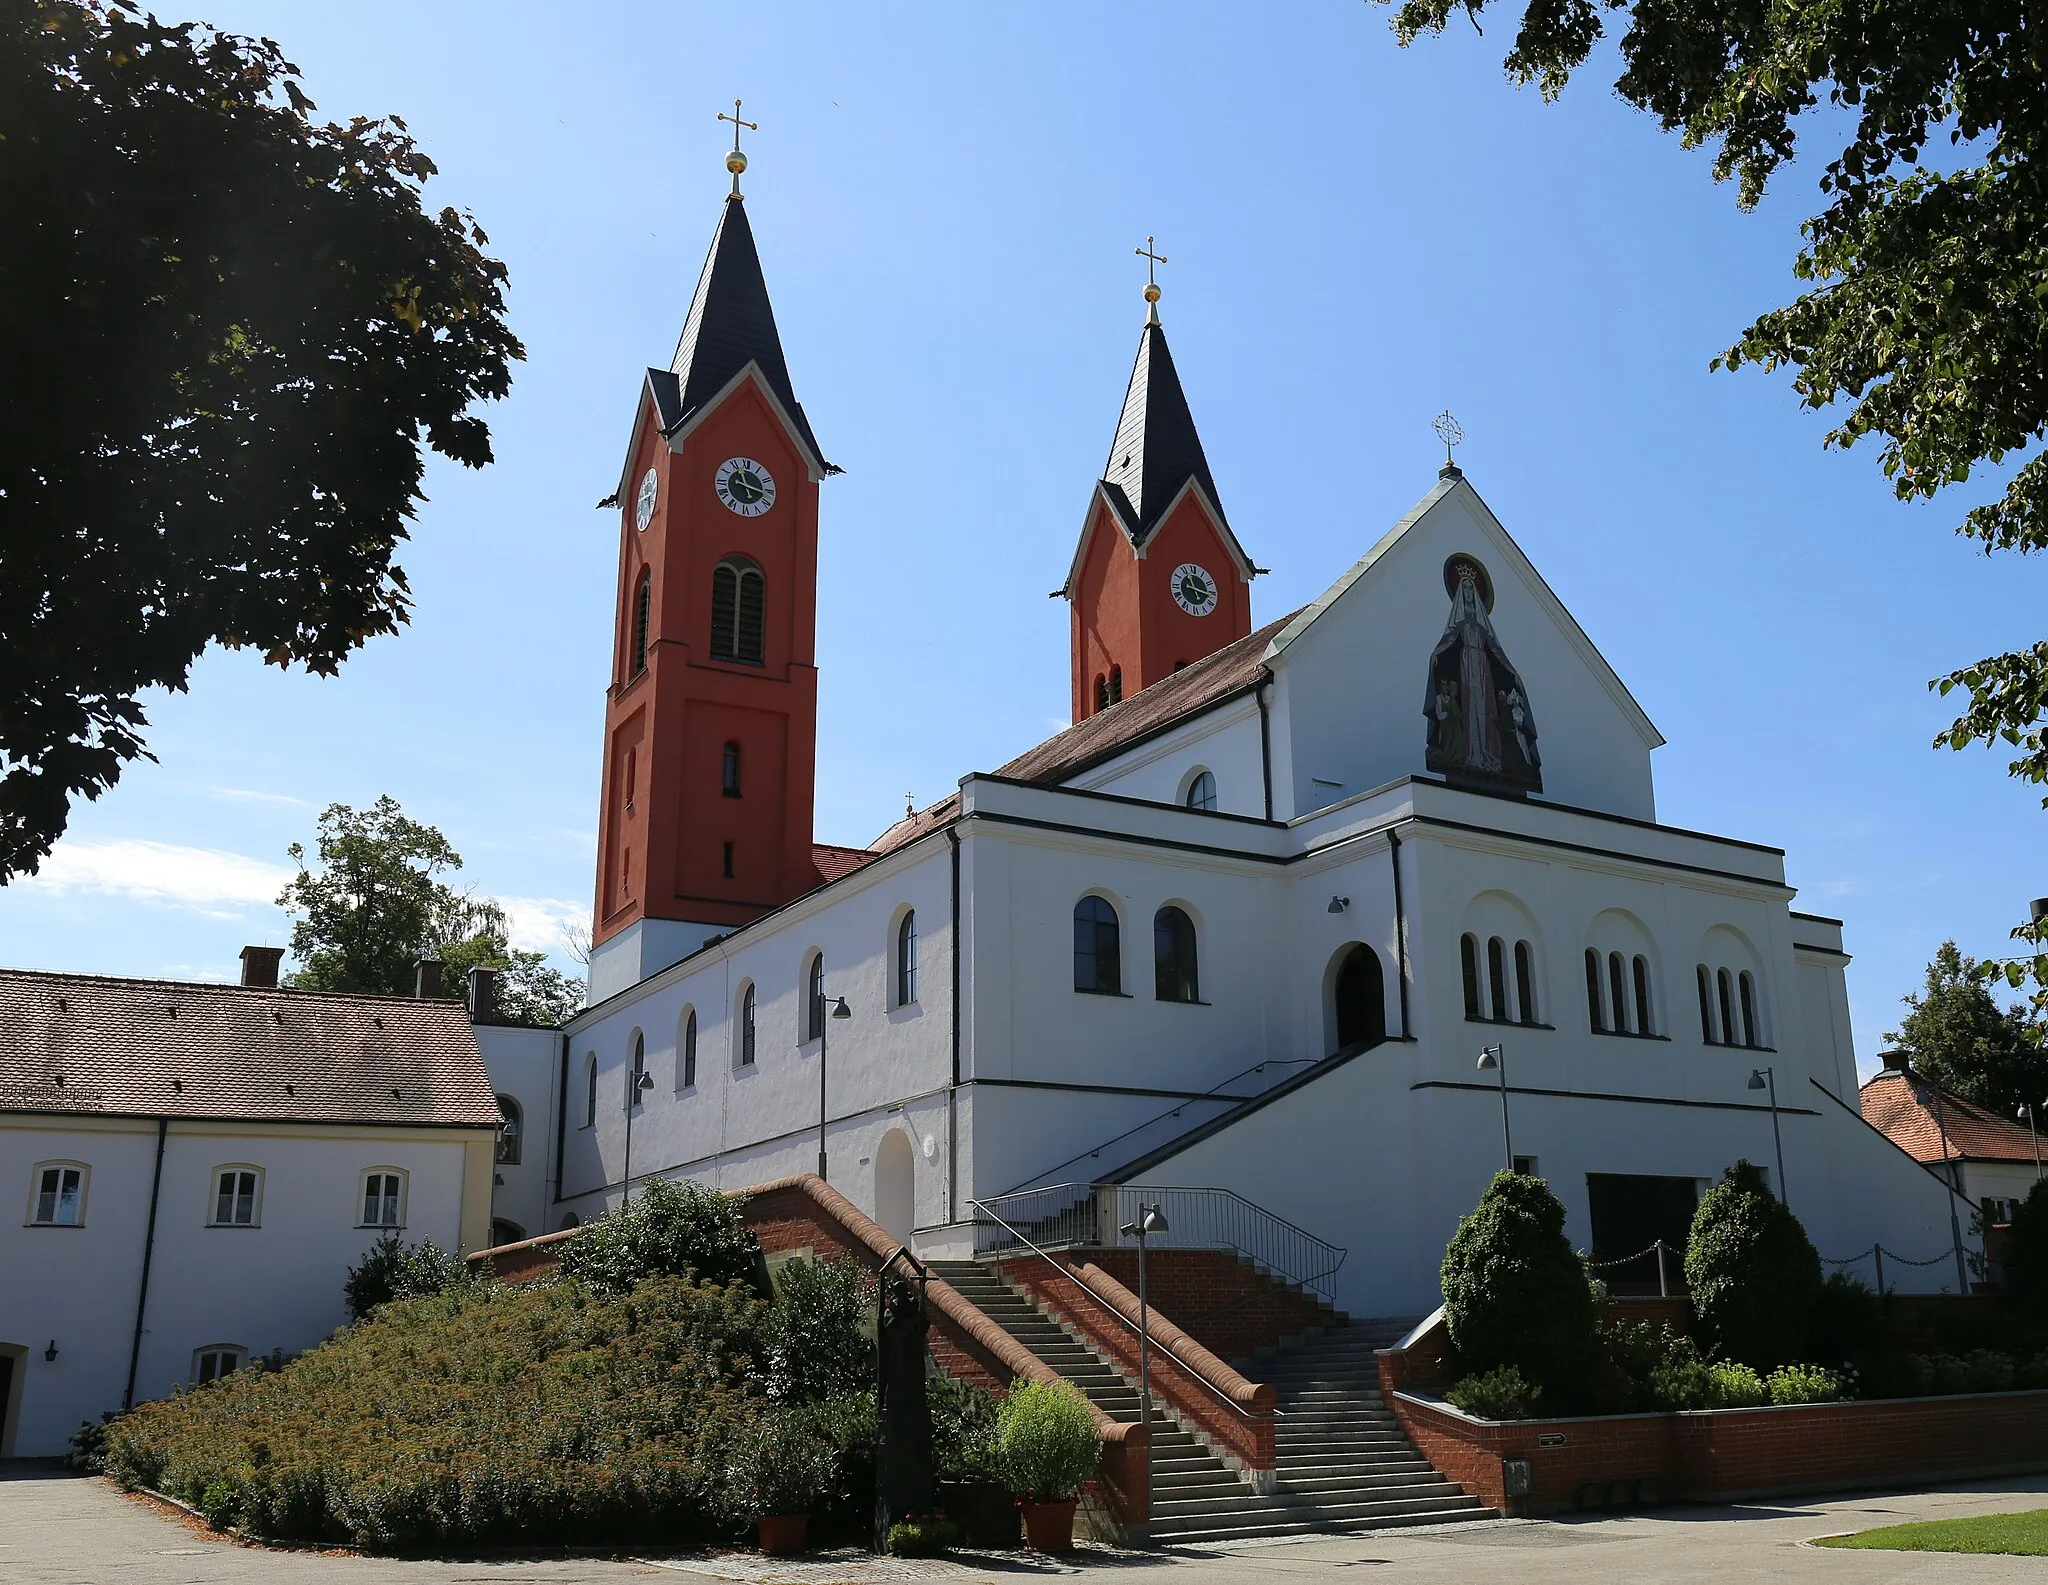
x: 834, y: 861
x: 1974, y: 1134
x: 173, y: 1048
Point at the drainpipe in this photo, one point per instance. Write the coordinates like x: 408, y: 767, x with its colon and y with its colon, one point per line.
x: 561, y: 1118
x: 1400, y: 928
x: 953, y: 1094
x: 156, y: 1183
x: 1266, y: 747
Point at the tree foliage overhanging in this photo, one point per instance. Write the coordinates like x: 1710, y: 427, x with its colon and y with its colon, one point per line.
x: 1957, y: 1035
x: 1927, y: 314
x: 228, y: 333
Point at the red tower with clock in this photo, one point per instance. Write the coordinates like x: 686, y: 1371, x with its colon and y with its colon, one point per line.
x: 1158, y: 579
x: 711, y: 708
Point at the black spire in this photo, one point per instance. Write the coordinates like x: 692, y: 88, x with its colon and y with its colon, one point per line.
x: 1157, y: 450
x: 730, y: 323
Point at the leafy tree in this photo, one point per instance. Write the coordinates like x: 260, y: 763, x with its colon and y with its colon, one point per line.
x: 677, y: 1229
x: 819, y: 1345
x: 234, y: 333
x: 391, y: 1270
x: 1754, y: 1274
x: 1959, y: 1037
x: 373, y: 904
x: 2026, y: 1251
x: 1928, y: 310
x: 1515, y: 1292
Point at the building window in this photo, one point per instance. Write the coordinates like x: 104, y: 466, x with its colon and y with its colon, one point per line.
x: 216, y: 1361
x: 1173, y: 956
x: 590, y: 1089
x: 1116, y: 684
x: 1202, y: 792
x: 1596, y: 1017
x: 59, y: 1194
x: 729, y: 771
x: 728, y: 861
x: 504, y: 1232
x: 508, y: 1132
x: 636, y: 1070
x: 1525, y: 982
x: 1101, y: 692
x: 1617, y: 985
x: 814, y: 999
x: 906, y: 959
x: 747, y: 1027
x: 1723, y: 984
x: 738, y: 597
x: 1468, y: 960
x: 234, y: 1196
x: 1646, y: 1022
x: 686, y: 1059
x: 1527, y: 1167
x: 1706, y: 1008
x: 1746, y: 987
x: 1497, y: 977
x: 1098, y: 948
x: 383, y: 1198
x: 643, y: 607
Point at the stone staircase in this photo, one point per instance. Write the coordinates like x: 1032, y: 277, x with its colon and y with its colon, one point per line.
x: 1343, y: 1461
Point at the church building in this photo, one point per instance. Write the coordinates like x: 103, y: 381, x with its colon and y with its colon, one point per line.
x: 1336, y: 914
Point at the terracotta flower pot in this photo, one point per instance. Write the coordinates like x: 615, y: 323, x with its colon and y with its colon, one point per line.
x: 783, y: 1533
x: 1049, y: 1526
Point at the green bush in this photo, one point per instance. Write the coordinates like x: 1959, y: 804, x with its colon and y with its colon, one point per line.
x: 1500, y: 1394
x: 782, y: 1464
x: 1736, y: 1386
x: 922, y: 1535
x: 963, y: 1428
x: 479, y: 1415
x: 1804, y: 1384
x: 1046, y: 1444
x: 820, y: 1343
x: 2031, y: 1371
x: 1951, y: 1374
x: 2026, y: 1253
x: 1848, y: 1319
x: 1894, y: 1372
x: 391, y: 1270
x: 1515, y: 1292
x: 1754, y: 1274
x: 1988, y: 1370
x: 671, y: 1229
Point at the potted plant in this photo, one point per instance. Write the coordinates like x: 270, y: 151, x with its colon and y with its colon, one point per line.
x: 783, y: 1470
x: 1046, y: 1450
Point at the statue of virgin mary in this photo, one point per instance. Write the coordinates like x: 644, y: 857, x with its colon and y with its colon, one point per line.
x: 1480, y: 723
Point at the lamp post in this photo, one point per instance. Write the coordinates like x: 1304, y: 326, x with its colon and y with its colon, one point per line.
x: 839, y: 1010
x: 1767, y: 1078
x: 2033, y: 1133
x: 635, y: 1084
x: 1955, y: 1228
x: 1495, y: 1059
x: 1151, y: 1219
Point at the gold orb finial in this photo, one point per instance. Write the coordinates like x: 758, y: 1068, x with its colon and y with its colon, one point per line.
x: 1153, y: 259
x: 1151, y: 291
x: 735, y: 161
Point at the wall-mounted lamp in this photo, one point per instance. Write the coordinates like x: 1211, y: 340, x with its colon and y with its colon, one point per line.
x: 840, y: 1009
x: 1339, y: 904
x: 50, y: 1353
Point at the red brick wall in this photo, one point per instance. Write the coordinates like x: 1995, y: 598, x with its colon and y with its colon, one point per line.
x: 1226, y: 1304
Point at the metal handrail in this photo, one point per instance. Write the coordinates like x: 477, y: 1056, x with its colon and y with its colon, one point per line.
x: 1130, y: 1326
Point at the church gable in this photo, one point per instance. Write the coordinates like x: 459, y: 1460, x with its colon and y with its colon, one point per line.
x: 1444, y: 653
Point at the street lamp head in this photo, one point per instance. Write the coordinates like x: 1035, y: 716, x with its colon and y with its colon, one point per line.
x: 1757, y: 1081
x: 644, y: 1082
x: 840, y: 1009
x: 1152, y: 1219
x: 1487, y: 1060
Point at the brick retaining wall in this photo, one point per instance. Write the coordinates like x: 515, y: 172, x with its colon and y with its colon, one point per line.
x: 1221, y: 1300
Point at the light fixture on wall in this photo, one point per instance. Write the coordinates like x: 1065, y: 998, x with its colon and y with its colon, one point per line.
x: 1339, y: 904
x: 50, y: 1353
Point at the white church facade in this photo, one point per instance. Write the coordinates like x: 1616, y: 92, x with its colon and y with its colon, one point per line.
x: 1246, y: 925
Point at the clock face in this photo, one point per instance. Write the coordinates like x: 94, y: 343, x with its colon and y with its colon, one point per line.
x: 643, y: 504
x: 1194, y: 591
x: 745, y: 486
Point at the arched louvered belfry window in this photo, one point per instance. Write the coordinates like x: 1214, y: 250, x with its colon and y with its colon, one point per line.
x: 1468, y: 961
x: 1098, y: 947
x: 643, y: 610
x: 1116, y: 684
x: 1173, y: 956
x: 738, y: 603
x: 1101, y: 692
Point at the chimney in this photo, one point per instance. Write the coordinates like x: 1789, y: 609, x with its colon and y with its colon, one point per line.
x: 426, y: 978
x: 483, y: 996
x: 2037, y: 908
x: 259, y: 967
x: 1895, y: 1061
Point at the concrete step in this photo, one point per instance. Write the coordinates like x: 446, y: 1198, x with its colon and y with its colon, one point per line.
x: 1279, y: 1525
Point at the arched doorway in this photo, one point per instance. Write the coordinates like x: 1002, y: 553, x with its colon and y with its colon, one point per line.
x: 1359, y: 994
x: 895, y: 1186
x: 13, y: 1377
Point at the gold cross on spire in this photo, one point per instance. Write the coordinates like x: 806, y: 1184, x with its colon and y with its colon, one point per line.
x: 736, y: 161
x: 1152, y: 259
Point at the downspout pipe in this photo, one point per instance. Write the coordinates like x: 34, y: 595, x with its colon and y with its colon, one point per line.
x: 156, y: 1183
x: 953, y: 1094
x: 1266, y: 752
x: 1400, y: 929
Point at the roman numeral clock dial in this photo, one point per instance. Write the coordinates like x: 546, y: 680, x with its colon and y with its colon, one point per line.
x: 1194, y: 591
x: 745, y: 486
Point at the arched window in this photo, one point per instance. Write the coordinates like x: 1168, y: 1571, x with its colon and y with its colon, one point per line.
x: 1468, y: 959
x: 1646, y: 1021
x: 237, y: 1197
x: 1098, y: 948
x: 60, y: 1194
x: 1596, y: 1019
x: 738, y: 596
x: 643, y: 608
x: 504, y: 1232
x: 1173, y: 956
x: 1497, y: 977
x: 1116, y: 684
x: 1361, y: 998
x: 729, y: 771
x: 1617, y: 986
x: 590, y: 1088
x: 1747, y: 987
x: 1723, y: 985
x: 747, y: 1028
x: 1202, y: 792
x: 382, y: 1198
x: 686, y: 1051
x: 636, y: 1070
x: 508, y: 1132
x: 217, y: 1360
x: 1525, y: 982
x: 906, y: 959
x: 814, y: 999
x: 1101, y: 692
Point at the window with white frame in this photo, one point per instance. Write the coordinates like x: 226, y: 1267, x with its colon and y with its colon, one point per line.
x: 686, y: 1050
x: 508, y: 1131
x: 237, y: 1197
x: 906, y: 959
x: 383, y: 1198
x: 57, y: 1194
x: 217, y: 1360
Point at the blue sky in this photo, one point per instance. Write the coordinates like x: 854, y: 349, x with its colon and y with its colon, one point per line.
x: 946, y: 200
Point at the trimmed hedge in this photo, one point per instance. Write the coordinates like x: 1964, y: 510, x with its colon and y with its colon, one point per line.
x: 1754, y: 1274
x: 1515, y: 1293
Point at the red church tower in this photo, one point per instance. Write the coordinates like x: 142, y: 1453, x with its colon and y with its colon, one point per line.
x: 711, y: 710
x: 1158, y: 579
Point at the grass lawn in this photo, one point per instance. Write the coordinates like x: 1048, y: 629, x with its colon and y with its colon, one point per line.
x: 2025, y: 1534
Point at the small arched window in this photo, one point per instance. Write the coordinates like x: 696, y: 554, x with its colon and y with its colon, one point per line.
x: 906, y: 959
x: 1098, y: 954
x: 1617, y: 986
x: 508, y: 1131
x: 382, y: 1198
x: 1596, y: 1019
x: 1706, y: 1007
x: 1525, y: 982
x: 738, y: 602
x: 636, y: 1070
x: 686, y: 1058
x: 1202, y: 792
x: 1497, y: 976
x: 1173, y: 956
x: 1468, y: 960
x: 1646, y: 1021
x: 814, y: 999
x: 729, y: 770
x: 1116, y: 684
x: 643, y: 610
x: 590, y: 1089
x: 747, y: 1028
x: 1747, y: 987
x: 1101, y: 692
x: 1724, y: 986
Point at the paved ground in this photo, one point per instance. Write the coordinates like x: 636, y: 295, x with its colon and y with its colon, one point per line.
x: 68, y: 1531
